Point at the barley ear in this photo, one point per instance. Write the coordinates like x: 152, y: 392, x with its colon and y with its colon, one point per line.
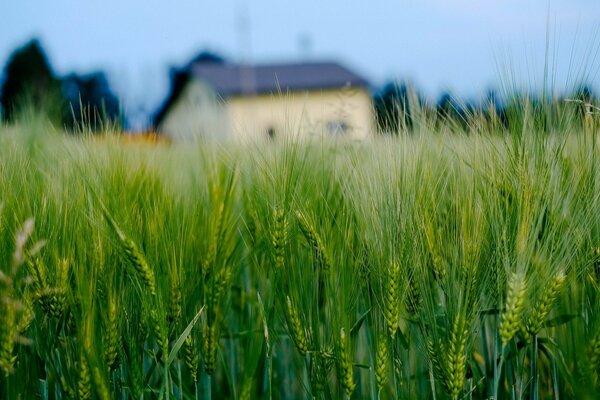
x: 345, y: 364
x: 515, y: 301
x: 246, y: 390
x: 174, y: 314
x: 435, y: 350
x: 37, y: 271
x: 210, y: 343
x: 413, y: 300
x: 134, y: 258
x: 84, y: 388
x: 319, y: 370
x: 594, y: 359
x: 130, y: 253
x: 191, y: 357
x: 27, y: 314
x: 134, y: 371
x: 222, y: 281
x: 543, y: 307
x: 279, y: 237
x: 456, y: 358
x: 62, y: 285
x: 314, y: 241
x: 381, y: 361
x: 160, y: 332
x: 8, y: 333
x: 392, y: 302
x: 295, y: 327
x: 213, y: 245
x: 100, y: 386
x: 111, y: 335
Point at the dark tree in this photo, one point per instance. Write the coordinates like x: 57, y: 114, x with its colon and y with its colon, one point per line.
x: 91, y: 104
x: 452, y: 113
x: 30, y: 82
x: 396, y: 106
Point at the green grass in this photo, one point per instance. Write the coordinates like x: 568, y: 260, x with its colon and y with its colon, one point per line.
x: 431, y: 265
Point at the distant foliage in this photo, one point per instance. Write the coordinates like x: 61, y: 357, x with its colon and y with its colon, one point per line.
x: 77, y: 102
x: 401, y: 109
x: 396, y: 107
x: 91, y: 102
x: 30, y: 82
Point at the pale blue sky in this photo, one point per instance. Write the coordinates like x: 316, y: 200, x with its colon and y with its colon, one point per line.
x: 439, y: 44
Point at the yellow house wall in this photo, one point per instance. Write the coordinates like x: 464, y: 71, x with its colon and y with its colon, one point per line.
x: 198, y: 112
x: 302, y: 114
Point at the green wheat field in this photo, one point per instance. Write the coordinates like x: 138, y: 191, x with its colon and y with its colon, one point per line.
x: 443, y: 263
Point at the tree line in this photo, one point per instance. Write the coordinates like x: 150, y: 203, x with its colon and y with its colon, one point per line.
x: 79, y: 102
x: 401, y: 108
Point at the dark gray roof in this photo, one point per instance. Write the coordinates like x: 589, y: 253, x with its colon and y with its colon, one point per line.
x: 232, y: 79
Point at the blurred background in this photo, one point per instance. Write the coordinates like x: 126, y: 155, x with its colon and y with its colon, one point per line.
x: 124, y: 52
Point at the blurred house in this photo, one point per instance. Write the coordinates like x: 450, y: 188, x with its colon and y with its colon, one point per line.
x: 214, y: 99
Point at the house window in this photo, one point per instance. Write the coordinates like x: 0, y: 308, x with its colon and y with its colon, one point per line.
x: 337, y: 127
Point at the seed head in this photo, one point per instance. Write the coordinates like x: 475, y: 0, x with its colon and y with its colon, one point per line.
x: 345, y: 364
x: 295, y: 327
x: 515, y: 302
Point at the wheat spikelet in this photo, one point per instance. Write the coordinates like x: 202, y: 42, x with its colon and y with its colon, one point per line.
x: 100, y: 386
x: 68, y: 392
x: 27, y: 315
x: 456, y: 361
x: 133, y: 257
x: 413, y: 300
x: 135, y: 372
x: 54, y: 301
x: 160, y: 333
x: 37, y: 271
x: 174, y: 314
x: 246, y: 391
x: 540, y: 312
x: 515, y: 302
x: 210, y: 343
x: 62, y: 284
x: 222, y: 280
x: 392, y: 302
x: 84, y: 388
x: 314, y: 241
x: 594, y: 359
x: 191, y: 356
x: 321, y: 363
x: 318, y: 374
x: 101, y: 285
x: 435, y: 350
x: 8, y: 333
x: 295, y: 327
x: 214, y: 239
x: 279, y: 237
x: 381, y: 361
x: 345, y: 364
x: 111, y: 334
